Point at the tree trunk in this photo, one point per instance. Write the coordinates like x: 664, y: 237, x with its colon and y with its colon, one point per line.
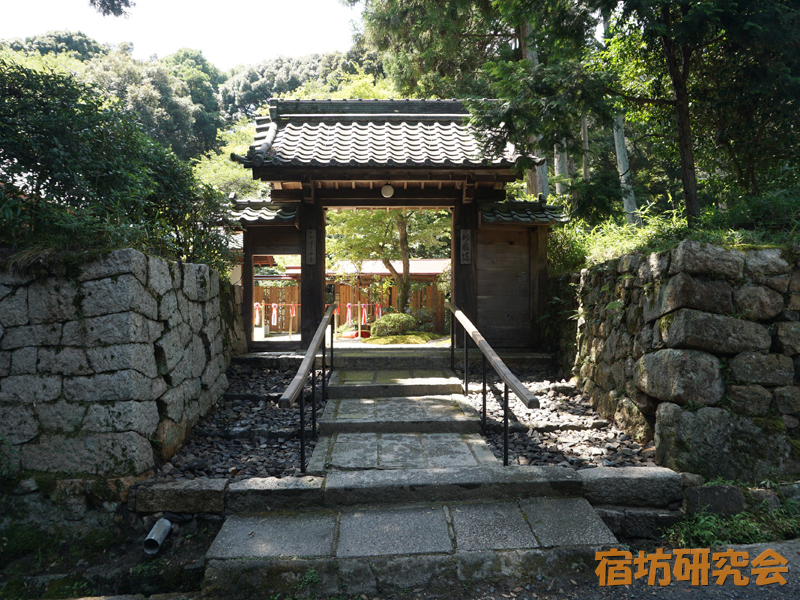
x: 561, y: 167
x: 536, y: 179
x: 628, y: 196
x: 585, y: 140
x: 402, y: 279
x: 679, y: 74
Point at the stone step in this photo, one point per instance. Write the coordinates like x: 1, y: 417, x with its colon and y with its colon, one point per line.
x: 416, y: 414
x: 363, y: 550
x: 431, y: 358
x: 363, y: 451
x: 392, y: 383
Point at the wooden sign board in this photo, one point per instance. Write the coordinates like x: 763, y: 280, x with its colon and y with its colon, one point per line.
x: 466, y: 246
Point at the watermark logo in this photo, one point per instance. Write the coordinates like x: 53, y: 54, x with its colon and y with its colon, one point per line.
x: 698, y: 566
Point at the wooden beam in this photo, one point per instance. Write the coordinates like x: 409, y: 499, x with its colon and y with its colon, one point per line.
x: 247, y: 286
x: 312, y: 270
x: 538, y: 282
x: 366, y: 174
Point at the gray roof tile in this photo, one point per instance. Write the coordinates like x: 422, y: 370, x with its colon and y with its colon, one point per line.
x: 372, y: 133
x: 523, y: 213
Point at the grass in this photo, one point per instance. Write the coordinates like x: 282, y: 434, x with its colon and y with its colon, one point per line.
x: 414, y: 337
x: 704, y: 530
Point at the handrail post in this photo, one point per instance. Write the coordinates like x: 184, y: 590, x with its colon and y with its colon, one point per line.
x: 314, y: 401
x: 452, y: 341
x: 324, y: 382
x: 303, y: 431
x: 331, y: 324
x: 466, y: 363
x: 505, y: 425
x: 483, y: 416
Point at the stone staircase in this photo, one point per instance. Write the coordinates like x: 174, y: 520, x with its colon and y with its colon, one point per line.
x: 411, y: 495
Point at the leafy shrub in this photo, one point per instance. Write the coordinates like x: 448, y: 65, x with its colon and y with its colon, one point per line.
x: 393, y: 324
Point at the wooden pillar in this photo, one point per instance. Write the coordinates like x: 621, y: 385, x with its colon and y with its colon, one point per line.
x: 538, y: 282
x: 312, y: 270
x: 464, y: 258
x: 247, y: 285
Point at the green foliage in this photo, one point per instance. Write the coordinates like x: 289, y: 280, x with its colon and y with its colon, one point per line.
x: 393, y: 324
x: 77, y: 44
x: 704, y: 530
x: 417, y: 337
x: 114, y: 8
x: 215, y: 168
x: 77, y: 173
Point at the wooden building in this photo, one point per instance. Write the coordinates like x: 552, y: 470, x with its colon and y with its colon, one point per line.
x: 379, y: 154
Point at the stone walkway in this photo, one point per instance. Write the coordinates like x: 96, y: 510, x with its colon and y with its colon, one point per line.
x: 418, y: 455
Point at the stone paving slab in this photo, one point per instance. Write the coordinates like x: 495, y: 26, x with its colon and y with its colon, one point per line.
x: 565, y: 522
x: 364, y: 451
x: 311, y: 534
x: 417, y: 414
x: 492, y: 526
x: 381, y: 383
x: 347, y: 488
x: 407, y: 530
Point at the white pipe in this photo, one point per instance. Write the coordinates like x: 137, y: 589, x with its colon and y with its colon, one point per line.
x: 157, y: 535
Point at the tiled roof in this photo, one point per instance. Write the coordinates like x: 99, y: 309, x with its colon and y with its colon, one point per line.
x: 368, y: 133
x: 263, y: 213
x: 524, y: 213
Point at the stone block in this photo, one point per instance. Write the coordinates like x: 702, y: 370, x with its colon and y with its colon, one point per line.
x: 172, y: 403
x: 273, y: 493
x: 653, y: 267
x: 765, y: 262
x: 17, y: 424
x: 14, y: 278
x: 195, y: 496
x: 107, y: 454
x: 5, y: 290
x: 159, y: 280
x: 787, y: 399
x: 108, y: 387
x: 203, y: 275
x: 717, y: 334
x: 750, y: 399
x: 60, y: 417
x: 139, y: 357
x: 23, y: 361
x: 696, y: 258
x: 632, y: 486
x: 779, y: 283
x: 680, y: 376
x: 724, y: 500
x: 5, y: 364
x: 190, y: 282
x: 757, y: 303
x: 604, y: 377
x: 714, y: 442
x: 787, y: 337
x: 14, y: 308
x: 794, y: 302
x: 213, y: 283
x: 141, y: 417
x: 52, y: 301
x: 121, y: 294
x: 170, y: 436
x: 45, y: 334
x: 23, y: 389
x: 169, y: 348
x: 642, y: 342
x: 120, y: 328
x: 794, y: 282
x: 683, y: 291
x: 168, y: 309
x: 764, y: 369
x: 192, y: 362
x: 630, y: 419
x: 118, y: 262
x: 691, y: 480
x: 176, y: 271
x: 618, y: 374
x: 62, y: 360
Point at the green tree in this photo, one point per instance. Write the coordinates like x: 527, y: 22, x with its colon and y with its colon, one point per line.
x: 215, y: 168
x: 77, y: 172
x: 78, y: 44
x: 115, y: 8
x: 203, y: 80
x: 387, y: 236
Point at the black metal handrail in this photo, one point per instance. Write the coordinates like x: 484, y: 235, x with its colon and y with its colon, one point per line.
x: 308, y: 368
x: 489, y: 355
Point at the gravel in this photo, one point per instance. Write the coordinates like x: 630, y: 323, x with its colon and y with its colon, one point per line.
x: 247, y: 435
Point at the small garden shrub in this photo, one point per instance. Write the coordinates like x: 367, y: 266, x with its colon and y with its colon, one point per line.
x: 393, y: 324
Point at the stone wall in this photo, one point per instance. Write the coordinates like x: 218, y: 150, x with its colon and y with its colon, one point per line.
x: 699, y: 348
x: 104, y: 373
